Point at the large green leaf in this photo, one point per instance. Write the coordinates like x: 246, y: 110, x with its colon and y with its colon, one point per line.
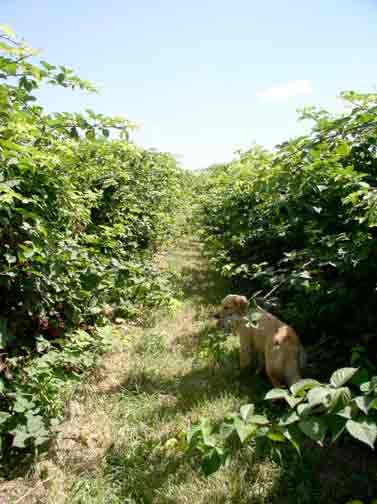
x: 365, y: 431
x: 258, y: 419
x: 336, y: 426
x: 20, y: 437
x: 313, y: 427
x: 340, y: 398
x: 299, y: 388
x: 342, y: 376
x: 211, y: 461
x: 289, y: 418
x: 244, y: 430
x: 276, y: 393
x: 319, y: 395
x: 247, y: 410
x: 362, y: 402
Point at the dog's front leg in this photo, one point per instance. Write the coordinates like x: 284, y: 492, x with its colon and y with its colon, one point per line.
x: 245, y: 349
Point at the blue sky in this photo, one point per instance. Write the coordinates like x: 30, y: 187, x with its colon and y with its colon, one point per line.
x: 204, y: 77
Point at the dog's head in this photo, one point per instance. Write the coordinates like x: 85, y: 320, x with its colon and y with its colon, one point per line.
x: 232, y: 306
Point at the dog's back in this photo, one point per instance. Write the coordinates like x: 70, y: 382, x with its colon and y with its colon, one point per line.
x: 282, y: 348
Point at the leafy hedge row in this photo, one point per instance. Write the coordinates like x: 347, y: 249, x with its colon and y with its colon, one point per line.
x: 80, y: 207
x: 81, y: 211
x: 302, y: 221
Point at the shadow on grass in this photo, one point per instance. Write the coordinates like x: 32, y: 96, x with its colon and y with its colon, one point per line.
x: 321, y: 475
x: 201, y: 285
x: 333, y: 475
x: 336, y: 474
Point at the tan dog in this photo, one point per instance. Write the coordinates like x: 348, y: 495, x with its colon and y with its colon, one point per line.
x: 273, y: 340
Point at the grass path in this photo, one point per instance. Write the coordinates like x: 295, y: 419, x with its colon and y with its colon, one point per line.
x: 160, y: 379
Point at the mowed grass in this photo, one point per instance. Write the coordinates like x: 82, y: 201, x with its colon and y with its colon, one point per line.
x: 114, y: 447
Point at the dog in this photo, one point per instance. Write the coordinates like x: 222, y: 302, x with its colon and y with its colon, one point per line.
x: 276, y: 344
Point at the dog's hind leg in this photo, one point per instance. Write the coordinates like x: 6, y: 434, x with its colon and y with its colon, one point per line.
x: 274, y: 373
x: 292, y: 372
x: 275, y: 378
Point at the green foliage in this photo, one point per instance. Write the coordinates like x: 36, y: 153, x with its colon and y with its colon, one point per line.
x: 321, y: 412
x: 79, y: 210
x: 82, y: 210
x: 302, y: 221
x: 32, y: 401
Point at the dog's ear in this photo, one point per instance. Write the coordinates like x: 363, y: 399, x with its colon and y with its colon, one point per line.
x: 227, y: 298
x: 242, y: 301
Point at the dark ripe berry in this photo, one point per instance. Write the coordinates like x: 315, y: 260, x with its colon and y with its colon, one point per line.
x: 43, y: 323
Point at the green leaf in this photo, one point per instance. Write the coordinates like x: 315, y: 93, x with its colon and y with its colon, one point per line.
x: 343, y: 149
x: 299, y: 388
x: 341, y: 376
x: 20, y: 436
x: 211, y: 461
x: 293, y: 401
x: 319, y: 395
x: 313, y: 427
x: 10, y: 258
x: 193, y: 433
x: 336, y: 426
x: 22, y: 404
x: 345, y: 412
x: 258, y: 419
x: 362, y: 403
x: 74, y: 133
x: 7, y: 30
x: 35, y: 424
x: 246, y: 410
x: 276, y: 393
x: 289, y: 418
x: 207, y: 432
x: 226, y: 430
x: 340, y: 398
x: 253, y: 317
x: 304, y: 409
x: 369, y: 387
x: 275, y: 435
x: 244, y: 430
x: 360, y: 377
x: 4, y: 416
x: 364, y: 431
x: 90, y: 134
x: 373, y: 404
x: 288, y: 433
